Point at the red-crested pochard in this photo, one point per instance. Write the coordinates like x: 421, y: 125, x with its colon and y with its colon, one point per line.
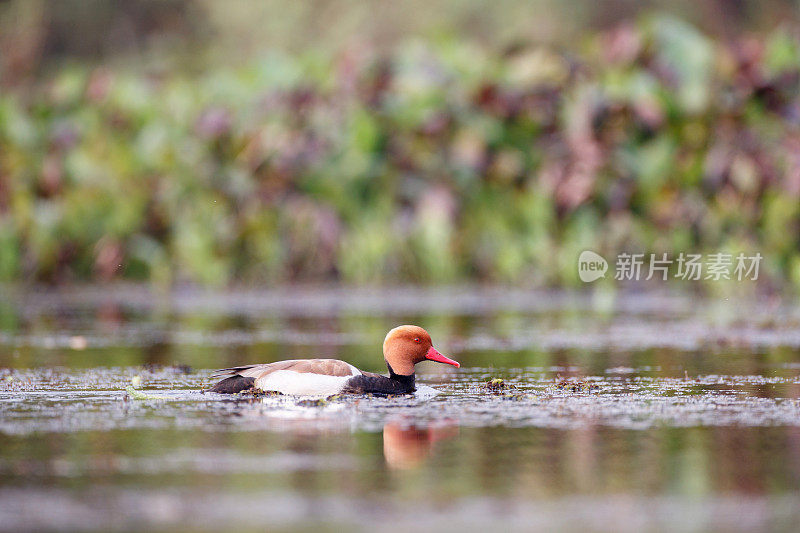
x: 404, y: 347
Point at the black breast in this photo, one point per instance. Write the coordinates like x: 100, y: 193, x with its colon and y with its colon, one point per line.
x: 369, y: 383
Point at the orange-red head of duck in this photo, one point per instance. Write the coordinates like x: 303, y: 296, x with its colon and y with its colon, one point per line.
x: 405, y: 346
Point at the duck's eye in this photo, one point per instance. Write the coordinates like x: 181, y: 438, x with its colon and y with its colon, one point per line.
x: 417, y: 340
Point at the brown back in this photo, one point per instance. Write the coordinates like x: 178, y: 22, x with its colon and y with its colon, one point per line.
x: 328, y: 367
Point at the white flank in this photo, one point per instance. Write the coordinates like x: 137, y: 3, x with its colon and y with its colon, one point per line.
x: 303, y: 383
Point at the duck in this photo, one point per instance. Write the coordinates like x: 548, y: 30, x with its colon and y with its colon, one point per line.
x: 403, y: 347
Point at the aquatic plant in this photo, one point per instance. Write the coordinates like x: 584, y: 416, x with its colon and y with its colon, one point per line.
x: 496, y: 385
x: 434, y: 162
x: 139, y: 395
x: 574, y: 385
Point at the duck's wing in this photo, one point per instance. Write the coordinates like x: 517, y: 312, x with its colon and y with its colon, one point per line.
x: 226, y: 372
x: 328, y: 367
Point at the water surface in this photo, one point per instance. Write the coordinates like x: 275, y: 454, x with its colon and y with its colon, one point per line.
x: 621, y: 412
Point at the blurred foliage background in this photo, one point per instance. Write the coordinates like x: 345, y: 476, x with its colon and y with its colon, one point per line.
x: 266, y: 142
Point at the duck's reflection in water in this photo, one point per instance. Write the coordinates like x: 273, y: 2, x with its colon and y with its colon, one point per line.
x: 407, y: 446
x: 407, y: 442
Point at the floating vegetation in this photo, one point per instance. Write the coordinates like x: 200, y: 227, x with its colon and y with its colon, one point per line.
x: 497, y: 385
x: 575, y: 385
x: 252, y: 395
x: 312, y: 402
x: 514, y: 396
x: 257, y: 393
